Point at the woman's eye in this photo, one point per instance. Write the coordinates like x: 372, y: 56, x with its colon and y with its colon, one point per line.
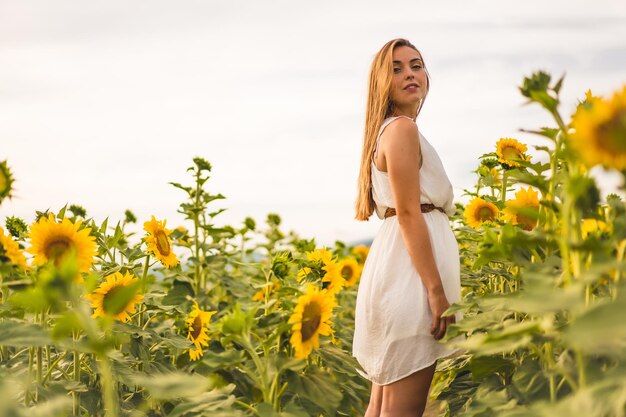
x: 396, y: 69
x: 417, y: 66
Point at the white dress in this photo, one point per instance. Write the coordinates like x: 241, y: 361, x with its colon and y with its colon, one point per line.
x: 392, y: 336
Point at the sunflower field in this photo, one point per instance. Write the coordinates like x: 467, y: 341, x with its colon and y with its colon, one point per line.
x: 201, y: 320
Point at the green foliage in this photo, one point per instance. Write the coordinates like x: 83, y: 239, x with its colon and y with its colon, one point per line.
x: 541, y: 334
x: 542, y: 331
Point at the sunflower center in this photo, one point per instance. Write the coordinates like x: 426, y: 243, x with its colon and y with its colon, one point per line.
x: 485, y: 213
x: 511, y: 153
x: 311, y: 319
x: 611, y: 133
x: 196, y: 327
x: 56, y: 248
x: 347, y: 271
x: 108, y: 303
x: 162, y: 243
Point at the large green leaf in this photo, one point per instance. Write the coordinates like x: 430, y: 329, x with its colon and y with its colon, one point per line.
x: 215, y: 403
x: 16, y: 333
x: 317, y: 387
x: 508, y: 339
x: 600, y: 330
x: 172, y: 385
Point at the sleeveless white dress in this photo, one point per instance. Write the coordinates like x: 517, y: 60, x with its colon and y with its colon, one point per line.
x: 392, y: 336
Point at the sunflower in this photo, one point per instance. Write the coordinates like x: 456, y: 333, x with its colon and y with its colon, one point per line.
x: 159, y: 243
x: 196, y: 324
x: 10, y: 249
x: 525, y: 200
x: 330, y: 269
x: 6, y: 181
x: 591, y: 226
x: 510, y: 152
x: 105, y: 300
x: 303, y: 273
x: 311, y: 318
x: 350, y: 270
x: 320, y: 254
x: 479, y: 211
x: 52, y: 241
x: 361, y: 253
x: 600, y: 131
x: 490, y: 176
x: 333, y: 276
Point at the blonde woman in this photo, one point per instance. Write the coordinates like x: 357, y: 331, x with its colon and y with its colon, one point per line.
x: 412, y: 272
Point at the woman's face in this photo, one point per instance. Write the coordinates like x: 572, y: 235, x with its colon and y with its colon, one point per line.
x: 409, y: 77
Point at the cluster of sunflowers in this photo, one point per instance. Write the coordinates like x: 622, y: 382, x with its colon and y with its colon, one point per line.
x: 53, y: 242
x: 312, y: 315
x: 596, y: 138
x: 510, y: 154
x: 543, y: 273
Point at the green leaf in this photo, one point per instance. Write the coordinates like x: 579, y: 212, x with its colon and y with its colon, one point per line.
x: 17, y: 334
x: 57, y: 406
x: 484, y: 366
x: 266, y: 410
x: 179, y: 293
x: 600, y: 330
x: 215, y: 403
x: 172, y: 385
x: 510, y: 338
x: 119, y: 297
x: 318, y: 387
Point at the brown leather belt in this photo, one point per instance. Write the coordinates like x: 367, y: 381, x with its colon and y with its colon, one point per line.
x: 426, y: 208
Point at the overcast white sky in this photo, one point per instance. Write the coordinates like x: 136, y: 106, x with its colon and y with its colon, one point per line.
x: 102, y: 103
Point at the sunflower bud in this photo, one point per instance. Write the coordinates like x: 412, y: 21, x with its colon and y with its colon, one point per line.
x: 235, y: 323
x: 6, y: 181
x: 16, y: 226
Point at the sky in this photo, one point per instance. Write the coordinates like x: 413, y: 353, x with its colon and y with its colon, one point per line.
x: 103, y: 103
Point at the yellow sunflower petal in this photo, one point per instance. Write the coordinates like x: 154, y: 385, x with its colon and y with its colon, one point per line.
x: 197, y: 330
x: 333, y: 277
x: 524, y: 199
x: 320, y: 254
x: 310, y: 319
x: 600, y: 131
x: 350, y: 270
x: 511, y: 152
x: 361, y: 252
x: 53, y: 241
x: 10, y: 249
x: 159, y: 243
x: 479, y: 211
x: 107, y: 291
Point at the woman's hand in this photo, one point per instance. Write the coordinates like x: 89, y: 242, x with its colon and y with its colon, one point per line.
x: 438, y: 304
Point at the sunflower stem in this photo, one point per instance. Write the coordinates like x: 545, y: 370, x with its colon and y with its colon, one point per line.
x: 621, y: 249
x: 196, y: 226
x: 504, y: 186
x: 108, y: 387
x: 144, y: 286
x: 76, y: 375
x: 261, y: 370
x: 30, y: 373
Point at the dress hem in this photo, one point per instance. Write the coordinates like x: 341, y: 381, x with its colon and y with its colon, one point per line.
x: 396, y: 379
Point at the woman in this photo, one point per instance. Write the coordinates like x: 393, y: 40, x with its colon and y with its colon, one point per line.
x: 412, y: 272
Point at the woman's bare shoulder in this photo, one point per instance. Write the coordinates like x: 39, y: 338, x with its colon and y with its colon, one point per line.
x: 401, y: 131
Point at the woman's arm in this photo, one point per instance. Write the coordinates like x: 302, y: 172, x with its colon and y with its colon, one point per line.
x: 401, y: 150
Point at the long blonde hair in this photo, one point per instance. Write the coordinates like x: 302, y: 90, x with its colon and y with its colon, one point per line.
x: 379, y: 107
